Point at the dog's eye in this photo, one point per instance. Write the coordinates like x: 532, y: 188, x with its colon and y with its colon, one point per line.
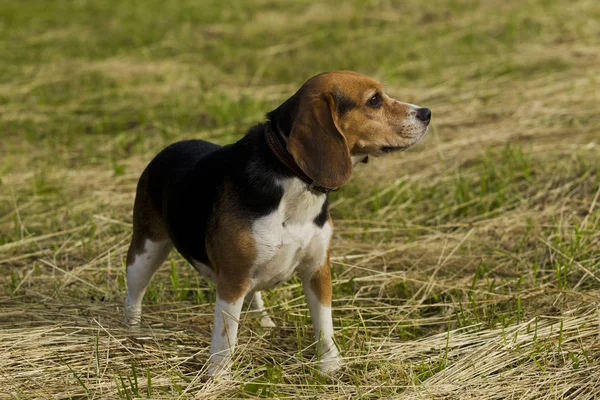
x: 375, y: 101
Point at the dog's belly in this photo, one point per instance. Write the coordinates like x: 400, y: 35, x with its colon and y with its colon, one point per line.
x: 283, y: 248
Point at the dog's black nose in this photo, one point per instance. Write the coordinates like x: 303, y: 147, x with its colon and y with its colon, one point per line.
x: 424, y: 114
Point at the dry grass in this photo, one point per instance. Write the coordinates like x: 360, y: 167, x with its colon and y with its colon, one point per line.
x: 468, y: 267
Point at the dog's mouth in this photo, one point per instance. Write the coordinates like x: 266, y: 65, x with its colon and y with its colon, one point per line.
x: 411, y: 139
x: 393, y: 149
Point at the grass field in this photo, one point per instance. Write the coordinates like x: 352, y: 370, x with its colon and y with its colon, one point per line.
x: 468, y: 267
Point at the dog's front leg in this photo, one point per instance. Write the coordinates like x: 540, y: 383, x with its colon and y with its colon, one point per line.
x: 224, y: 335
x: 317, y: 290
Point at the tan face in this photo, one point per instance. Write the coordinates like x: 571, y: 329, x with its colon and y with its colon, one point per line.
x: 373, y: 123
x: 339, y: 118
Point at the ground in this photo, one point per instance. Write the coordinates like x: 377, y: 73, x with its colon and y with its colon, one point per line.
x: 467, y: 267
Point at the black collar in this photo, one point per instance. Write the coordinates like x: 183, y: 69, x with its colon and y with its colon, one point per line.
x: 278, y: 149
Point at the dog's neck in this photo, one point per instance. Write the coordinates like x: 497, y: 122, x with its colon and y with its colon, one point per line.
x: 274, y: 141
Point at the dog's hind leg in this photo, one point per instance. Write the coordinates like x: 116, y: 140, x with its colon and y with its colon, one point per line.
x: 139, y: 272
x: 150, y: 246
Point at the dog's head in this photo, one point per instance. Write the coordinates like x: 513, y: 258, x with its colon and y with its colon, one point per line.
x: 339, y: 118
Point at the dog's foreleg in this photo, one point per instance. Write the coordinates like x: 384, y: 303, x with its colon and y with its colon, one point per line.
x: 224, y: 335
x: 258, y: 305
x: 317, y: 290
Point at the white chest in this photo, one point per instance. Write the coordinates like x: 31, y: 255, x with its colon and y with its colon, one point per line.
x: 288, y: 239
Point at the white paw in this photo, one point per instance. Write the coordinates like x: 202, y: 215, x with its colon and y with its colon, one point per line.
x: 331, y: 362
x: 217, y: 371
x: 133, y: 316
x: 267, y: 322
x: 133, y: 322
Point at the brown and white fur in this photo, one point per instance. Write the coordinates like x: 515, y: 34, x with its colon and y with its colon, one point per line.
x: 247, y: 221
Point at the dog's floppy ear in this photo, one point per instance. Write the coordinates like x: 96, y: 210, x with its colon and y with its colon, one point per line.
x: 317, y: 144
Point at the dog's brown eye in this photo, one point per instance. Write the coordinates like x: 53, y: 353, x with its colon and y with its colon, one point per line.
x: 375, y: 101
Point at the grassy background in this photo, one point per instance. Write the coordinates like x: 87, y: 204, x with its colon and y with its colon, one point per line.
x: 468, y: 267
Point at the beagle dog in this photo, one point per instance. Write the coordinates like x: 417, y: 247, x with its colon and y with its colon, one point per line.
x: 249, y: 214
